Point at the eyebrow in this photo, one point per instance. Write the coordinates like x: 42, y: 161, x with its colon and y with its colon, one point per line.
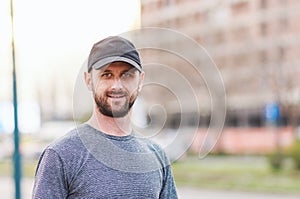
x: 106, y: 71
x: 124, y: 71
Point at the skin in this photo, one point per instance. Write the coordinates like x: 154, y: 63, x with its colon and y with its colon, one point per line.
x: 114, y: 86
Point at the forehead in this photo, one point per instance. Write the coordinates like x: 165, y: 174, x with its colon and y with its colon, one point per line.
x: 117, y: 66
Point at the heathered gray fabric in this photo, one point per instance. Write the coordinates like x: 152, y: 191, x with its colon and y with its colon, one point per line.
x: 131, y: 168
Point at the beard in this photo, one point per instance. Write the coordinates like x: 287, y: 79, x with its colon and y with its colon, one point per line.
x: 115, y: 109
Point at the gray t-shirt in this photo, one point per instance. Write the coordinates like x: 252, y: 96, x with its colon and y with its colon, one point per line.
x: 87, y: 163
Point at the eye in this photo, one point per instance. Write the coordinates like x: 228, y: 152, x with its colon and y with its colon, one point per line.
x: 106, y: 75
x: 127, y: 75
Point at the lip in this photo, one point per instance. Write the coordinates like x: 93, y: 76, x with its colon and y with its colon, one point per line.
x: 115, y: 96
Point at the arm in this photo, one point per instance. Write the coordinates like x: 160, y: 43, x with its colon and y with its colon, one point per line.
x: 169, y: 188
x: 50, y: 177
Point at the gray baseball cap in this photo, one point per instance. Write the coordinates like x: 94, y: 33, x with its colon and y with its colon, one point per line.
x: 113, y: 49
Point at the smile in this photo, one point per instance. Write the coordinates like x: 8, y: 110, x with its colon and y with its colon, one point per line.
x: 116, y: 96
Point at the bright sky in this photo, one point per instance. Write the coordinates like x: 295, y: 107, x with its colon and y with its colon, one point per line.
x: 52, y: 40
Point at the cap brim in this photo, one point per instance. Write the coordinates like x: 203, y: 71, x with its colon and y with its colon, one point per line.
x: 103, y: 62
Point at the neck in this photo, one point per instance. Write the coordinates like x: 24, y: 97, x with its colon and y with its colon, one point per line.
x: 110, y: 125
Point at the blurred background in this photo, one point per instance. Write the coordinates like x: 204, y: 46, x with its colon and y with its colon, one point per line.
x: 254, y: 44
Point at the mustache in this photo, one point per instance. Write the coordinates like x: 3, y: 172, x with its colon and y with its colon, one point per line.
x: 116, y: 93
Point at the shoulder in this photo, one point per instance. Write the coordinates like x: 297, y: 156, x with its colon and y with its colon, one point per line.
x: 66, y: 155
x: 152, y: 145
x: 68, y: 144
x: 155, y: 149
x: 62, y: 143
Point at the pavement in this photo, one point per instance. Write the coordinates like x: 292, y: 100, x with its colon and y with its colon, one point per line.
x: 192, y: 193
x: 7, y: 188
x: 7, y: 192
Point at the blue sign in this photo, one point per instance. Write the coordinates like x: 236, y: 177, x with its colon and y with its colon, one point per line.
x: 272, y: 112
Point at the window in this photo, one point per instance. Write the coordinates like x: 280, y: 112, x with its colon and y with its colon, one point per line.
x: 263, y: 29
x: 219, y: 36
x: 231, y: 121
x: 283, y: 23
x: 239, y: 8
x: 255, y: 121
x: 263, y: 57
x: 263, y: 4
x: 281, y: 53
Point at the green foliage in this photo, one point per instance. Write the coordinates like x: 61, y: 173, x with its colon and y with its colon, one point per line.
x: 294, y: 152
x: 245, y: 173
x: 276, y: 160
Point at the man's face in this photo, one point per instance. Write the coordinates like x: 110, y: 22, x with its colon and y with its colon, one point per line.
x: 115, y: 88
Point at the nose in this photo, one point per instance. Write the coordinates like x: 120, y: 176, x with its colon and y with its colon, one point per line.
x: 117, y: 84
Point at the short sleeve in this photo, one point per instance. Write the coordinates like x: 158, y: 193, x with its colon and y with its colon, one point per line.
x: 169, y: 187
x: 168, y: 190
x: 50, y: 177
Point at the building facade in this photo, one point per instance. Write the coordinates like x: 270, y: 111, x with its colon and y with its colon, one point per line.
x: 254, y: 43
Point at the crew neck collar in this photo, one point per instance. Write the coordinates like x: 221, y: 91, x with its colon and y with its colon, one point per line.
x: 113, y: 137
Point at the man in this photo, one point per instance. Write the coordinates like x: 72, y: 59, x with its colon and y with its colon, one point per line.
x: 103, y: 158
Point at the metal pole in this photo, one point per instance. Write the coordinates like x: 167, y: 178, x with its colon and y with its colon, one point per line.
x: 16, y: 156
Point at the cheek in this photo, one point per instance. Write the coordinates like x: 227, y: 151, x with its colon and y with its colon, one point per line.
x: 98, y: 88
x: 132, y: 88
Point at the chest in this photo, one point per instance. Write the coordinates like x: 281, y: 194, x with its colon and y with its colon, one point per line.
x: 95, y: 180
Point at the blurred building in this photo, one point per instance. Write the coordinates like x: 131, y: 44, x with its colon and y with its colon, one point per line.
x: 254, y: 43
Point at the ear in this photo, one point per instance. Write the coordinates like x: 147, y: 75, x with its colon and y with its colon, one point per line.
x: 88, y: 80
x: 141, y: 81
